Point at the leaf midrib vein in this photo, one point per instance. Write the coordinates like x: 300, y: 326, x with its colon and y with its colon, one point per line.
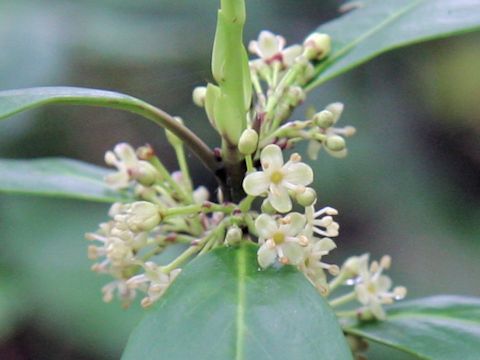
x: 241, y: 303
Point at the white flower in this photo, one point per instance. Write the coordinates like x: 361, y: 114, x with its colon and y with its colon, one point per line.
x: 281, y: 238
x: 314, y: 268
x: 156, y: 282
x: 372, y: 288
x: 120, y: 287
x: 124, y: 158
x: 268, y: 46
x: 278, y: 178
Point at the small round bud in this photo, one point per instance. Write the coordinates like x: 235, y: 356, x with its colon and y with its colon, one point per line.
x: 198, y: 95
x: 317, y: 46
x: 267, y: 207
x: 173, y: 139
x: 307, y: 198
x: 145, y: 173
x: 324, y: 119
x: 143, y: 216
x: 335, y: 143
x: 296, y: 95
x: 248, y: 142
x: 233, y: 236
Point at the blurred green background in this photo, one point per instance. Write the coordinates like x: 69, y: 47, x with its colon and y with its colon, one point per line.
x: 410, y: 186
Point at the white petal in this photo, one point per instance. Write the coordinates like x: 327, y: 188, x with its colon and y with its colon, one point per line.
x: 279, y: 198
x: 291, y: 53
x: 256, y: 183
x: 294, y: 253
x: 266, y: 256
x: 326, y: 244
x: 271, y: 157
x: 266, y: 226
x: 313, y: 149
x: 270, y: 44
x: 126, y: 153
x: 298, y: 174
x: 362, y: 294
x: 378, y: 311
x: 297, y: 223
x: 118, y: 180
x: 384, y: 283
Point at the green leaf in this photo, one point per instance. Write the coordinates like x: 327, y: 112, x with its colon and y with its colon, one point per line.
x: 15, y: 101
x: 382, y: 25
x: 223, y: 307
x: 434, y: 328
x: 57, y: 177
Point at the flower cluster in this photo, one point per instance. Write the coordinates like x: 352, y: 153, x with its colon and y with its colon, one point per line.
x: 165, y: 210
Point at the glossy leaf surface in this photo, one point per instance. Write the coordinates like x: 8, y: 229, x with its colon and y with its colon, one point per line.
x: 378, y: 26
x: 223, y: 307
x: 57, y: 177
x: 433, y: 328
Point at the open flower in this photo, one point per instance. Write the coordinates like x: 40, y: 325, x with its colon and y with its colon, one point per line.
x: 373, y: 288
x: 314, y: 268
x: 281, y: 238
x: 278, y: 178
x: 268, y: 46
x: 124, y: 158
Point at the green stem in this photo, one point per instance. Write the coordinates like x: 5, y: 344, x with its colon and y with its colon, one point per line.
x: 344, y: 299
x: 155, y: 161
x: 337, y: 281
x: 182, y: 163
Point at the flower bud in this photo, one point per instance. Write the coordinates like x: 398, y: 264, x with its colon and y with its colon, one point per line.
x: 145, y: 173
x: 317, y: 46
x: 324, y: 119
x: 296, y: 95
x: 307, y: 198
x: 233, y: 236
x: 198, y: 95
x: 248, y: 141
x: 143, y: 216
x: 336, y: 109
x: 335, y: 143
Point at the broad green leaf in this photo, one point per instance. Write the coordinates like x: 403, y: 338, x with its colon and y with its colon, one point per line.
x: 57, y: 177
x: 223, y: 307
x: 378, y: 26
x: 433, y: 328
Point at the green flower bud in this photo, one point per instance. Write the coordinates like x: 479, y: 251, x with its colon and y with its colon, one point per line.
x: 307, y: 198
x: 335, y: 143
x: 145, y: 173
x: 296, y: 95
x: 198, y: 95
x: 234, y: 235
x: 324, y: 119
x: 143, y: 216
x: 317, y: 46
x: 248, y: 142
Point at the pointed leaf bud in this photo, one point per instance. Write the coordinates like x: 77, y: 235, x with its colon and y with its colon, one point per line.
x: 211, y: 96
x: 198, y: 95
x: 248, y: 142
x: 317, y: 46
